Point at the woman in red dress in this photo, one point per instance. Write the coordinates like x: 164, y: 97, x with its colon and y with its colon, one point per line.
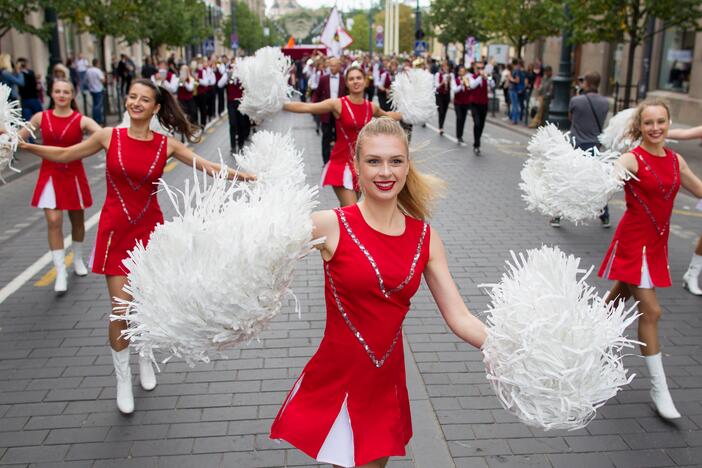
x: 351, y: 112
x: 63, y: 186
x: 350, y: 406
x: 637, y: 258
x: 136, y: 157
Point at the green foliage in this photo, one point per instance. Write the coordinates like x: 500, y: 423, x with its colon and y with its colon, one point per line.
x: 519, y: 21
x: 618, y: 20
x: 453, y: 21
x: 104, y: 17
x: 13, y: 14
x: 184, y: 24
x: 359, y: 32
x: 248, y: 27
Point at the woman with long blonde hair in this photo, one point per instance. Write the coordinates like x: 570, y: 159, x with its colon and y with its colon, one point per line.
x: 350, y: 405
x: 637, y: 259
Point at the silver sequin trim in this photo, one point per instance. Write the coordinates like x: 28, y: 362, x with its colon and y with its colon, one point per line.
x: 134, y: 186
x: 124, y: 205
x: 377, y: 362
x: 63, y: 133
x: 371, y: 260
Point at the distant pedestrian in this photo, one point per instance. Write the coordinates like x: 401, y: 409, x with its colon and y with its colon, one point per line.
x: 461, y: 101
x: 479, y: 84
x: 544, y: 95
x: 82, y: 66
x: 148, y: 70
x: 96, y: 85
x: 11, y: 75
x: 29, y: 92
x: 517, y: 85
x: 442, y: 82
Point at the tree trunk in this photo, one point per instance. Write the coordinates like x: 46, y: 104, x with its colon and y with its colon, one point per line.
x: 102, y: 41
x: 629, y: 71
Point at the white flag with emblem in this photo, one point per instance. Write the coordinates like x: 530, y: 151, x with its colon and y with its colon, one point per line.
x: 334, y: 36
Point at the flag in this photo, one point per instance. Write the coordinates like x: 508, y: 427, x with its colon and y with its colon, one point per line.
x: 334, y: 36
x: 291, y: 42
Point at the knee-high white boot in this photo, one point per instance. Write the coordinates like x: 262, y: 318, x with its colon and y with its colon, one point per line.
x: 78, y: 264
x: 147, y: 378
x: 659, y: 388
x: 61, y: 282
x: 691, y: 276
x: 123, y: 373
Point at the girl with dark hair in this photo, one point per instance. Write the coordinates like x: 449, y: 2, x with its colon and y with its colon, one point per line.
x: 63, y: 186
x: 136, y: 157
x: 351, y: 112
x: 350, y: 406
x: 637, y: 259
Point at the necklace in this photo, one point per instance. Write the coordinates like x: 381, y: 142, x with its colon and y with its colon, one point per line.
x: 134, y: 186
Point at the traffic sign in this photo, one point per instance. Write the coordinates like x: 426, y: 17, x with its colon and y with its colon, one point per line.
x: 420, y: 46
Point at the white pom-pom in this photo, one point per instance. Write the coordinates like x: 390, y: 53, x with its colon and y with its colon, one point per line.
x: 264, y: 78
x: 10, y: 124
x: 561, y: 180
x: 216, y: 274
x: 614, y: 136
x: 413, y: 95
x: 553, y: 350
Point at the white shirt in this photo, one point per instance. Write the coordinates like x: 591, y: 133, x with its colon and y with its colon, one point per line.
x: 313, y: 83
x: 95, y: 78
x: 334, y: 86
x: 171, y: 85
x: 82, y: 65
x: 439, y: 76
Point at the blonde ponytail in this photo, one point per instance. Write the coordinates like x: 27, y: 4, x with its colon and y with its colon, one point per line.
x: 417, y: 197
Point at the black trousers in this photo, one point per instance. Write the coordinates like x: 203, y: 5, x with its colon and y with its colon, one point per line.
x: 442, y: 102
x: 221, y: 100
x: 211, y: 97
x: 479, y: 114
x: 190, y: 110
x: 328, y: 138
x: 461, y: 114
x: 383, y: 101
x: 370, y: 92
x: 239, y: 126
x: 201, y: 103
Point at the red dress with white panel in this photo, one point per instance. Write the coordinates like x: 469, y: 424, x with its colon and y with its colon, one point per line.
x: 340, y: 170
x: 61, y: 186
x: 131, y: 211
x: 350, y: 404
x: 638, y: 253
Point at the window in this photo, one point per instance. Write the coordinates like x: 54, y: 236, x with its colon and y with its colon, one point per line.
x: 676, y: 60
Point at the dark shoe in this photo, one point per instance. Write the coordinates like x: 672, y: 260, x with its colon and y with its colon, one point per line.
x: 441, y: 131
x: 476, y: 150
x: 460, y: 140
x: 605, y: 223
x: 555, y: 222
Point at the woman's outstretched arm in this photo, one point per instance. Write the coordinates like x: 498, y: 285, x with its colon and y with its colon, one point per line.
x: 187, y: 156
x: 97, y: 141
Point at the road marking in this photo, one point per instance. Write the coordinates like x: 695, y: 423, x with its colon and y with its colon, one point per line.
x: 446, y: 135
x: 50, y: 275
x: 40, y: 264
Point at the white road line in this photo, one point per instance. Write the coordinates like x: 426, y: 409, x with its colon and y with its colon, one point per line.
x: 40, y: 264
x: 446, y: 135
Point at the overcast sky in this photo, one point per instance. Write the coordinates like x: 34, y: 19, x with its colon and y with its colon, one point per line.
x: 346, y: 4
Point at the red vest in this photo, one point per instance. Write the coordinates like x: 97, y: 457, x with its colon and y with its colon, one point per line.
x: 184, y: 94
x: 479, y: 95
x: 443, y: 89
x: 461, y: 97
x: 234, y: 91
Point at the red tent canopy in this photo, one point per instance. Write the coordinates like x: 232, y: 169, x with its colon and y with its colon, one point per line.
x: 301, y: 51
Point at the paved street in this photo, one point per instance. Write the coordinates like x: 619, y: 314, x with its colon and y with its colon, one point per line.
x: 57, y: 386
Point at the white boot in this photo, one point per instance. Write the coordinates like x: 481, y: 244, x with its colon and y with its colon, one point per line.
x: 147, y: 378
x: 690, y: 278
x: 61, y: 283
x: 78, y: 264
x: 125, y: 397
x: 659, y: 388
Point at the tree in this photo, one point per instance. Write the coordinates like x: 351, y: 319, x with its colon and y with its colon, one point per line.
x: 617, y: 20
x: 406, y: 27
x: 519, y: 21
x: 453, y: 21
x: 359, y: 31
x: 183, y: 25
x: 13, y: 15
x: 248, y: 28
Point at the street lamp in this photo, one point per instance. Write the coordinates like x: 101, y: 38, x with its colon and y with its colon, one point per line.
x: 558, y: 110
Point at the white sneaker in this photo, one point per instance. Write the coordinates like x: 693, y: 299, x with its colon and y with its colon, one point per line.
x: 147, y: 378
x: 123, y: 373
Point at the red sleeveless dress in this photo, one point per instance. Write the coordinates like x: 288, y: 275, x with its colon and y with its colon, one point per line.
x: 131, y: 210
x: 340, y: 171
x: 70, y: 184
x: 641, y: 238
x: 359, y: 365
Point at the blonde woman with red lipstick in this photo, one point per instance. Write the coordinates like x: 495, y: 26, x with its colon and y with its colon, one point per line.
x: 63, y: 186
x: 350, y: 405
x: 637, y: 259
x: 351, y: 112
x: 136, y: 157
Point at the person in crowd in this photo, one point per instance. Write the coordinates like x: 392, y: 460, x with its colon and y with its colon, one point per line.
x: 147, y: 69
x: 331, y: 86
x: 11, y: 75
x: 82, y: 65
x: 460, y: 88
x: 239, y: 124
x: 479, y: 84
x: 29, y: 91
x: 96, y: 86
x: 544, y: 95
x: 186, y: 94
x: 442, y: 82
x: 166, y: 78
x: 517, y: 85
x: 505, y: 76
x: 386, y: 79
